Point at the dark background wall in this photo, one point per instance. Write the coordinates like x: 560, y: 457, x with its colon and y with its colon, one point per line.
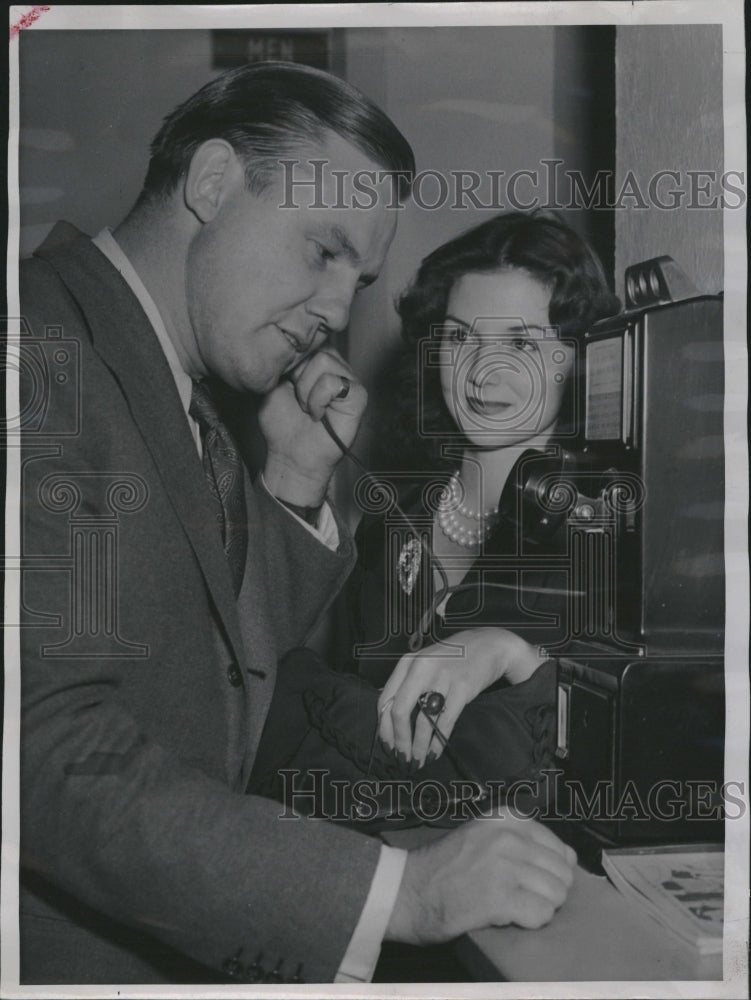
x: 497, y: 98
x: 670, y: 117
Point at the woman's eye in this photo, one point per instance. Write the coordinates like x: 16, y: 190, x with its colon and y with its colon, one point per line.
x: 524, y: 344
x: 458, y: 334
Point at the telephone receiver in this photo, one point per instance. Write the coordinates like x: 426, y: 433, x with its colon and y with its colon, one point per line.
x: 545, y: 491
x: 294, y: 374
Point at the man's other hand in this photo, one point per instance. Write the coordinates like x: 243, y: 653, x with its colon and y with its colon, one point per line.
x: 491, y: 872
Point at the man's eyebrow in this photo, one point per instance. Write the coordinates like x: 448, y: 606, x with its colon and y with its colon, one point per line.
x: 346, y: 247
x: 345, y: 244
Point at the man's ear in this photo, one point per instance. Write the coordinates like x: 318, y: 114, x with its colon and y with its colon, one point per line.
x: 214, y: 172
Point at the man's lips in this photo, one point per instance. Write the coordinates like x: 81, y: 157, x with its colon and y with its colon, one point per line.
x: 297, y: 342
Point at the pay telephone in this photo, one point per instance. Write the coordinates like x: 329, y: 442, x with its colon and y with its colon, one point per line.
x: 641, y: 706
x: 635, y: 507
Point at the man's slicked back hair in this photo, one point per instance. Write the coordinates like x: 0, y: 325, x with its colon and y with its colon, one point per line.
x: 267, y: 111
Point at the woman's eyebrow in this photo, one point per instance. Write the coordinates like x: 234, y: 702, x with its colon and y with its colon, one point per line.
x: 522, y: 327
x: 516, y: 327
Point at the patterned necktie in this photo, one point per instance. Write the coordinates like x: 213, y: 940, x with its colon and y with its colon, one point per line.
x: 223, y: 468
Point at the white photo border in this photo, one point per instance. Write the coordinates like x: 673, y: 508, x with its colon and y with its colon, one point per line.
x: 729, y: 13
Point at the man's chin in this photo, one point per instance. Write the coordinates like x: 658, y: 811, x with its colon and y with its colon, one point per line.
x: 262, y: 387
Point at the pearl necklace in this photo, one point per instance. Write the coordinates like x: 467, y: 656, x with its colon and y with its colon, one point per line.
x: 451, y: 506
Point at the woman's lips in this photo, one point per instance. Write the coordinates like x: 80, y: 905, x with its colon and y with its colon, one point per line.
x: 485, y: 407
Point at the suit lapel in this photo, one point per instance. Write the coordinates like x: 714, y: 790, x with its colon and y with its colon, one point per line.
x: 126, y: 342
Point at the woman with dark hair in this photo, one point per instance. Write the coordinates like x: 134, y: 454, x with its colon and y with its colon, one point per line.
x: 460, y: 585
x: 483, y: 398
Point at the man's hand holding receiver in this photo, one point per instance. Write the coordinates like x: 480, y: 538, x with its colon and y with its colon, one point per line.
x: 301, y: 454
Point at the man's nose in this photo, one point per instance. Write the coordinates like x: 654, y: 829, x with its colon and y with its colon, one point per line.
x: 331, y: 305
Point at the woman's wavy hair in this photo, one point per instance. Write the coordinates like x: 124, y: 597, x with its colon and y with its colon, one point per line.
x: 539, y: 243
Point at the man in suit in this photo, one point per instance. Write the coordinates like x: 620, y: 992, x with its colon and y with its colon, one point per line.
x: 162, y: 586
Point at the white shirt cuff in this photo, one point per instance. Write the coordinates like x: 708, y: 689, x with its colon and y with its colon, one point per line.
x: 364, y: 947
x: 326, y: 530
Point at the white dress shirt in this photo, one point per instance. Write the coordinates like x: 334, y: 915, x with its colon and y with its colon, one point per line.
x: 364, y: 946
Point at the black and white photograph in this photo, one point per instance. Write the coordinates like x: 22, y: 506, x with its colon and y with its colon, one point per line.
x: 376, y: 565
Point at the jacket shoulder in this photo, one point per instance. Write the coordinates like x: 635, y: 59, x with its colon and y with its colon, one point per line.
x: 47, y: 303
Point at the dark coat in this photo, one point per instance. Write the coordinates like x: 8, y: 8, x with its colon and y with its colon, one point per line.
x: 521, y: 581
x: 143, y: 698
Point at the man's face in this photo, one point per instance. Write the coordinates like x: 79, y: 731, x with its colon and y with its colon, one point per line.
x: 266, y: 285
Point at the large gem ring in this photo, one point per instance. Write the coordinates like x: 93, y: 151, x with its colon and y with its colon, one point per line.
x: 432, y: 702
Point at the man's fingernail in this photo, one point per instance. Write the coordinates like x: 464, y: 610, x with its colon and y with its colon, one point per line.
x: 432, y: 755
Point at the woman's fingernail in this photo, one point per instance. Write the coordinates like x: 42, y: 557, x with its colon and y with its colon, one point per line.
x: 432, y: 755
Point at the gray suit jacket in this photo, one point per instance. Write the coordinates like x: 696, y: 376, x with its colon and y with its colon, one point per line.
x: 145, y: 684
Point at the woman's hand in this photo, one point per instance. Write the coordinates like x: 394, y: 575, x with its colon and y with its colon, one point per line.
x: 485, y: 655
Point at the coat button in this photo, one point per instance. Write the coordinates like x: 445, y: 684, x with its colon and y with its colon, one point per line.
x: 233, y: 967
x: 255, y: 971
x: 275, y: 976
x: 234, y: 676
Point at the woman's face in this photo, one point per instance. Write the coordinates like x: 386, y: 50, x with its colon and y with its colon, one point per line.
x: 503, y: 368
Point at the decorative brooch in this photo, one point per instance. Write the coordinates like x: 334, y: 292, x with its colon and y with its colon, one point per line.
x: 408, y: 567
